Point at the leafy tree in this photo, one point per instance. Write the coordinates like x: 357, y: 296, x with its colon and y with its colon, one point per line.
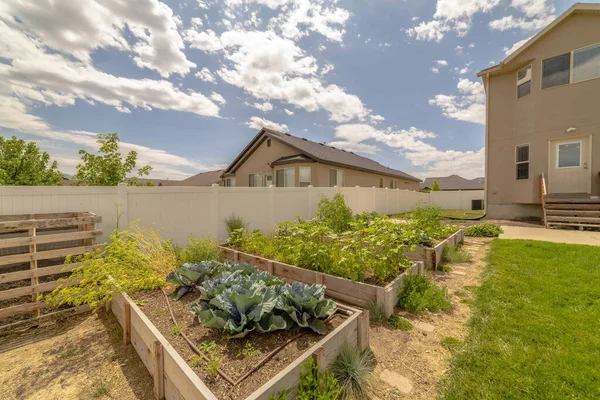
x: 108, y: 167
x: 23, y: 164
x: 435, y: 187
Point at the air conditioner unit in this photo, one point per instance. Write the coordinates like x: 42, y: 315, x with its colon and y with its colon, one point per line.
x: 524, y: 76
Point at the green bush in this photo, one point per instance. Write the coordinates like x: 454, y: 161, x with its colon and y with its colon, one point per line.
x: 400, y: 323
x: 199, y: 249
x: 484, y: 230
x: 334, y: 213
x: 353, y: 369
x: 317, y: 385
x: 456, y: 254
x: 419, y: 294
x: 376, y: 313
x: 233, y: 223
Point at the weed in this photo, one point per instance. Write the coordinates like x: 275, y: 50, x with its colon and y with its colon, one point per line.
x: 400, y: 323
x: 451, y: 344
x: 315, y: 384
x: 283, y: 395
x: 249, y: 351
x: 420, y: 294
x: 444, y: 268
x: 140, y: 303
x: 456, y: 254
x: 101, y: 391
x: 199, y: 249
x: 335, y: 213
x: 234, y: 223
x: 196, y: 361
x: 353, y: 369
x: 208, y: 347
x: 176, y: 330
x: 376, y: 313
x: 70, y: 353
x: 483, y: 230
x: 214, y: 364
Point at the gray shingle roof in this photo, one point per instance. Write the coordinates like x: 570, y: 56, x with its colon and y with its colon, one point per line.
x: 455, y: 182
x: 330, y: 155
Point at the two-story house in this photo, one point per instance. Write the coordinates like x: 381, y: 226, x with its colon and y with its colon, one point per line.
x: 284, y: 160
x: 543, y: 124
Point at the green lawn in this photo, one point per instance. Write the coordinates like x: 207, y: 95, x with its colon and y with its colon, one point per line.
x: 535, y: 332
x: 462, y: 214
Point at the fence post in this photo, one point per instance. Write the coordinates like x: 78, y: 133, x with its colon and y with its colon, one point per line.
x: 215, y: 212
x: 272, y: 205
x: 123, y: 207
x: 373, y: 199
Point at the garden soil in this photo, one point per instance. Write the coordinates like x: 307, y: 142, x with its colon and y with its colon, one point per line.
x: 411, y: 364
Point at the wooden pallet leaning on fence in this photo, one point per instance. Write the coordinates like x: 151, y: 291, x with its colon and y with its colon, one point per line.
x: 34, y: 246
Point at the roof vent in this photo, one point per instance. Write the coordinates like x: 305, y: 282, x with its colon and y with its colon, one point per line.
x: 343, y: 150
x: 351, y: 152
x: 322, y: 144
x: 333, y: 147
x: 306, y: 140
x: 287, y: 134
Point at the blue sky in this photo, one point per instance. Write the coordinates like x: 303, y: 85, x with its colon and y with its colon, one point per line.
x: 188, y: 83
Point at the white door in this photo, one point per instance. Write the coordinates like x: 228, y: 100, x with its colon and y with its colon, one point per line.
x: 570, y: 166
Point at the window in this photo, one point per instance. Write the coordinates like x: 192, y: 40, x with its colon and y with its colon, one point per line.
x: 268, y: 142
x: 285, y: 177
x: 381, y: 183
x: 393, y: 184
x: 336, y: 178
x: 568, y: 155
x: 255, y: 180
x: 556, y: 71
x: 524, y: 82
x: 230, y: 182
x: 586, y: 63
x: 304, y: 176
x: 522, y: 160
x: 268, y: 180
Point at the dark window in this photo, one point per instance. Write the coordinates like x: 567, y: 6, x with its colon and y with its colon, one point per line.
x: 251, y: 180
x: 522, y: 160
x: 476, y: 204
x: 524, y: 89
x: 524, y: 82
x: 280, y: 178
x: 556, y: 71
x: 332, y: 177
x: 381, y: 182
x: 268, y: 142
x: 586, y: 63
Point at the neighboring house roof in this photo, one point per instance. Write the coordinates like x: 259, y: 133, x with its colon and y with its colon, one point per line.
x: 455, y: 182
x: 577, y: 8
x: 203, y: 178
x: 159, y: 182
x: 319, y: 152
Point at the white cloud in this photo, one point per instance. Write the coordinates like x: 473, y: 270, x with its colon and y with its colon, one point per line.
x: 264, y: 107
x: 442, y: 62
x: 471, y: 45
x: 376, y: 118
x: 435, y: 70
x: 288, y: 112
x: 259, y: 123
x: 217, y: 98
x: 78, y: 28
x: 511, y: 22
x: 509, y: 50
x: 534, y: 8
x: 205, y: 75
x: 468, y: 105
x: 327, y: 68
x: 411, y: 144
x: 355, y: 147
x: 451, y: 15
x: 203, y: 40
x: 459, y: 50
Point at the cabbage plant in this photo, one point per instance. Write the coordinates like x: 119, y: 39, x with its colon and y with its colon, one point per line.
x: 306, y: 305
x: 188, y: 276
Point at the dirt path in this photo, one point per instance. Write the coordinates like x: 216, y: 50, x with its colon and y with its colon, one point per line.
x: 410, y: 364
x: 82, y: 357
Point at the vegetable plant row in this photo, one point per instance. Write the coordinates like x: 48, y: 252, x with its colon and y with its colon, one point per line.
x: 238, y: 299
x: 364, y: 247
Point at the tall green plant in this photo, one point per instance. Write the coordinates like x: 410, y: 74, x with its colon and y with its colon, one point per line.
x: 316, y: 384
x: 23, y: 164
x: 234, y: 223
x: 435, y: 187
x: 352, y: 369
x: 198, y: 249
x: 335, y: 213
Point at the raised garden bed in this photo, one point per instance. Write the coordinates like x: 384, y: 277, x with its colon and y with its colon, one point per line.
x: 355, y: 293
x: 432, y: 256
x: 167, y: 356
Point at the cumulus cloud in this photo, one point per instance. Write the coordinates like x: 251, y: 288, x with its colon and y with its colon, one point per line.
x: 376, y: 118
x: 327, y: 68
x: 288, y: 112
x: 355, y: 147
x: 205, y: 75
x: 509, y: 50
x: 435, y: 70
x: 442, y: 62
x: 264, y: 107
x: 258, y: 123
x: 537, y: 14
x: 217, y: 98
x: 468, y: 105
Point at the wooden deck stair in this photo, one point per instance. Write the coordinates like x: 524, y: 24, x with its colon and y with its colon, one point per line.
x: 569, y: 211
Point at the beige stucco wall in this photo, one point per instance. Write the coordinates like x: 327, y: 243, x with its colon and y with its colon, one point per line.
x: 541, y: 116
x: 263, y: 156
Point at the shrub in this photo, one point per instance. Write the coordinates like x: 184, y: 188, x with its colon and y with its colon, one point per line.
x: 420, y: 294
x: 133, y: 260
x: 334, y: 213
x: 365, y: 218
x: 317, y: 385
x: 456, y: 254
x: 484, y: 230
x: 352, y: 369
x: 199, y: 249
x: 400, y: 323
x: 233, y: 223
x: 376, y: 313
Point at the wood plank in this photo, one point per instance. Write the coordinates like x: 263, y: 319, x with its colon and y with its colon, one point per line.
x: 363, y: 330
x: 583, y: 220
x: 36, y: 289
x: 39, y: 272
x: 582, y: 213
x: 22, y: 217
x: 126, y: 324
x: 359, y: 290
x: 21, y: 308
x: 12, y: 226
x: 50, y: 238
x: 572, y: 200
x: 44, y: 255
x: 573, y: 225
x: 573, y: 207
x: 53, y: 315
x: 159, y: 373
x: 295, y: 273
x: 33, y: 266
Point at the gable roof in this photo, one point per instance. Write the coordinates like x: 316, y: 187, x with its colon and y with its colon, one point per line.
x: 203, y: 178
x: 577, y: 8
x: 455, y: 182
x: 319, y: 152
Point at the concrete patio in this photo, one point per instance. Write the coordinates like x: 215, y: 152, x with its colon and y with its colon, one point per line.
x: 551, y: 235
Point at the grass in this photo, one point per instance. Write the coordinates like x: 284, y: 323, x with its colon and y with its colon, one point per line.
x: 400, y: 323
x: 534, y: 331
x: 420, y: 293
x: 70, y: 353
x: 460, y: 214
x: 451, y: 344
x: 376, y: 313
x: 456, y: 255
x: 176, y: 330
x: 353, y: 369
x: 100, y: 391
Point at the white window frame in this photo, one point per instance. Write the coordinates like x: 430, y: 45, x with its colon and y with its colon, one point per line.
x: 572, y: 53
x: 393, y: 184
x: 338, y: 173
x: 580, y: 154
x: 285, y: 183
x: 257, y: 176
x: 523, y: 162
x: 300, y: 181
x: 230, y: 182
x: 265, y: 179
x: 530, y: 67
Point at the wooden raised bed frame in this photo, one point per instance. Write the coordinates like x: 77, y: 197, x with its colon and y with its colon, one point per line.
x: 432, y: 256
x: 175, y: 379
x: 355, y: 293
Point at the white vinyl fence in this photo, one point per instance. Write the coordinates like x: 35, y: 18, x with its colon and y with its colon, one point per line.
x: 181, y: 211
